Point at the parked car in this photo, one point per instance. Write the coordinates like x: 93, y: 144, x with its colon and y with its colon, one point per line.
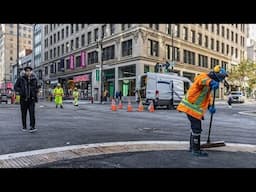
x: 3, y: 98
x: 237, y: 97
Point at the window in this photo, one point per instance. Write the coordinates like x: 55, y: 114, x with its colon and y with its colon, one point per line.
x: 72, y: 28
x: 51, y: 40
x: 212, y: 44
x: 236, y: 38
x: 96, y: 34
x: 103, y: 31
x: 169, y: 29
x: 232, y: 51
x: 214, y: 62
x: 92, y: 57
x: 46, y: 55
x: 236, y: 53
x: 58, y: 36
x: 200, y: 38
x: 206, y: 26
x: 153, y: 47
x: 202, y: 61
x: 54, y: 52
x: 67, y: 29
x: 77, y: 42
x: 72, y: 45
x: 218, y: 29
x: 123, y: 27
x: 46, y: 43
x: 46, y: 70
x: 154, y: 26
x: 177, y: 26
x: 62, y: 34
x: 83, y: 40
x: 189, y: 57
x: 67, y: 45
x: 108, y: 53
x: 217, y: 46
x: 77, y: 27
x: 127, y: 48
x: 54, y: 38
x: 227, y: 49
x: 78, y: 61
x: 193, y: 36
x: 222, y: 31
x: 58, y: 51
x: 185, y: 33
x: 62, y: 49
x: 228, y: 34
x: 11, y: 58
x: 224, y: 65
x: 212, y: 28
x: 51, y: 69
x: 206, y: 41
x: 89, y: 36
x: 222, y: 48
x: 175, y: 53
x: 45, y: 29
x: 82, y: 26
x: 51, y: 54
x: 112, y: 29
x: 232, y: 36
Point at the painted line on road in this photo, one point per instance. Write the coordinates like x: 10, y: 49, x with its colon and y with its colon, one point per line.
x: 249, y: 113
x: 44, y: 156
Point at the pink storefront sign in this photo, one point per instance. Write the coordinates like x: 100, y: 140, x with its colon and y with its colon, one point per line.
x: 71, y: 58
x: 83, y: 59
x: 81, y: 78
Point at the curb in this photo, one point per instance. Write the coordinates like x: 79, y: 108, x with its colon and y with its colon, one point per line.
x: 44, y: 156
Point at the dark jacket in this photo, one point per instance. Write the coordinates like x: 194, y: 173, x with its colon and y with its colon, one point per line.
x: 26, y: 88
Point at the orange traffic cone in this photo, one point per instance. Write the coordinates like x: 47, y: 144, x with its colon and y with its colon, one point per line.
x: 129, y: 107
x: 141, y: 107
x: 113, y: 105
x: 151, y: 107
x: 120, y: 105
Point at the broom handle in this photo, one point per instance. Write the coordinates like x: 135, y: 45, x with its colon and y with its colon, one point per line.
x: 210, y: 126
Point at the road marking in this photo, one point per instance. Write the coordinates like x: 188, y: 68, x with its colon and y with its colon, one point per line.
x: 249, y: 113
x: 43, y: 156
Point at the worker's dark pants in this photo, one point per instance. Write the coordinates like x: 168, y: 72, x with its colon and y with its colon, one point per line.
x: 195, y: 124
x: 27, y: 106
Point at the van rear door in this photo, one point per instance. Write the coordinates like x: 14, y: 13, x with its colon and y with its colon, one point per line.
x: 178, y: 89
x: 151, y: 87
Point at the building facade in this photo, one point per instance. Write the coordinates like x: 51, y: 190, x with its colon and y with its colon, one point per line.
x: 8, y: 47
x: 72, y: 53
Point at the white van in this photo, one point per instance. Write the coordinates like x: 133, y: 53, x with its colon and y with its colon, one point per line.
x: 161, y: 88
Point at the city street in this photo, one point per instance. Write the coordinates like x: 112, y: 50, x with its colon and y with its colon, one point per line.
x: 96, y: 123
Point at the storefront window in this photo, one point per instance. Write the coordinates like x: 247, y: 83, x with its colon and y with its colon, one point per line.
x: 127, y: 87
x: 127, y: 71
x: 109, y: 81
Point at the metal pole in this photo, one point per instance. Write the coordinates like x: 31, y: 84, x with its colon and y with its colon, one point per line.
x: 172, y: 67
x: 18, y: 51
x: 101, y: 72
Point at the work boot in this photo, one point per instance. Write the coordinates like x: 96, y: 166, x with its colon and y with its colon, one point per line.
x: 196, y: 151
x: 61, y: 106
x: 56, y: 106
x: 190, y: 142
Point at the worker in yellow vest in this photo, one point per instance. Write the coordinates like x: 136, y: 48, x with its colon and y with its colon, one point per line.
x: 58, y: 94
x: 75, y: 96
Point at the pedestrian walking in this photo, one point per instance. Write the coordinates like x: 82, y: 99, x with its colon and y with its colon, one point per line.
x: 75, y: 96
x: 26, y: 86
x: 58, y: 94
x: 196, y: 102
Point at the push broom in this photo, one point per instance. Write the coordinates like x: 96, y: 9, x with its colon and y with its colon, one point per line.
x: 210, y: 144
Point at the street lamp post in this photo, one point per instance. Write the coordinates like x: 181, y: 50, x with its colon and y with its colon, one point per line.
x: 100, y: 97
x: 18, y: 51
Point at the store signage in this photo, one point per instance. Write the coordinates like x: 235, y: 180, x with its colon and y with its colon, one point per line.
x: 71, y: 61
x: 81, y: 78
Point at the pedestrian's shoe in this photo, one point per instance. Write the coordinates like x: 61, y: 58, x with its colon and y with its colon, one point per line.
x: 190, y: 142
x: 196, y: 151
x: 23, y: 129
x: 32, y: 129
x: 61, y: 106
x: 56, y: 106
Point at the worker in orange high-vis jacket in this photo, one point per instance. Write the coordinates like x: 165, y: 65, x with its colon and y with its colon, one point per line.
x: 197, y: 101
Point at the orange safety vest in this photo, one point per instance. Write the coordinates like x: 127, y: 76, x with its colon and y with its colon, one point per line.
x: 198, y: 97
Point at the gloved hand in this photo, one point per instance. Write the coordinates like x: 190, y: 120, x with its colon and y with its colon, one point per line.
x: 214, y: 84
x: 212, y: 109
